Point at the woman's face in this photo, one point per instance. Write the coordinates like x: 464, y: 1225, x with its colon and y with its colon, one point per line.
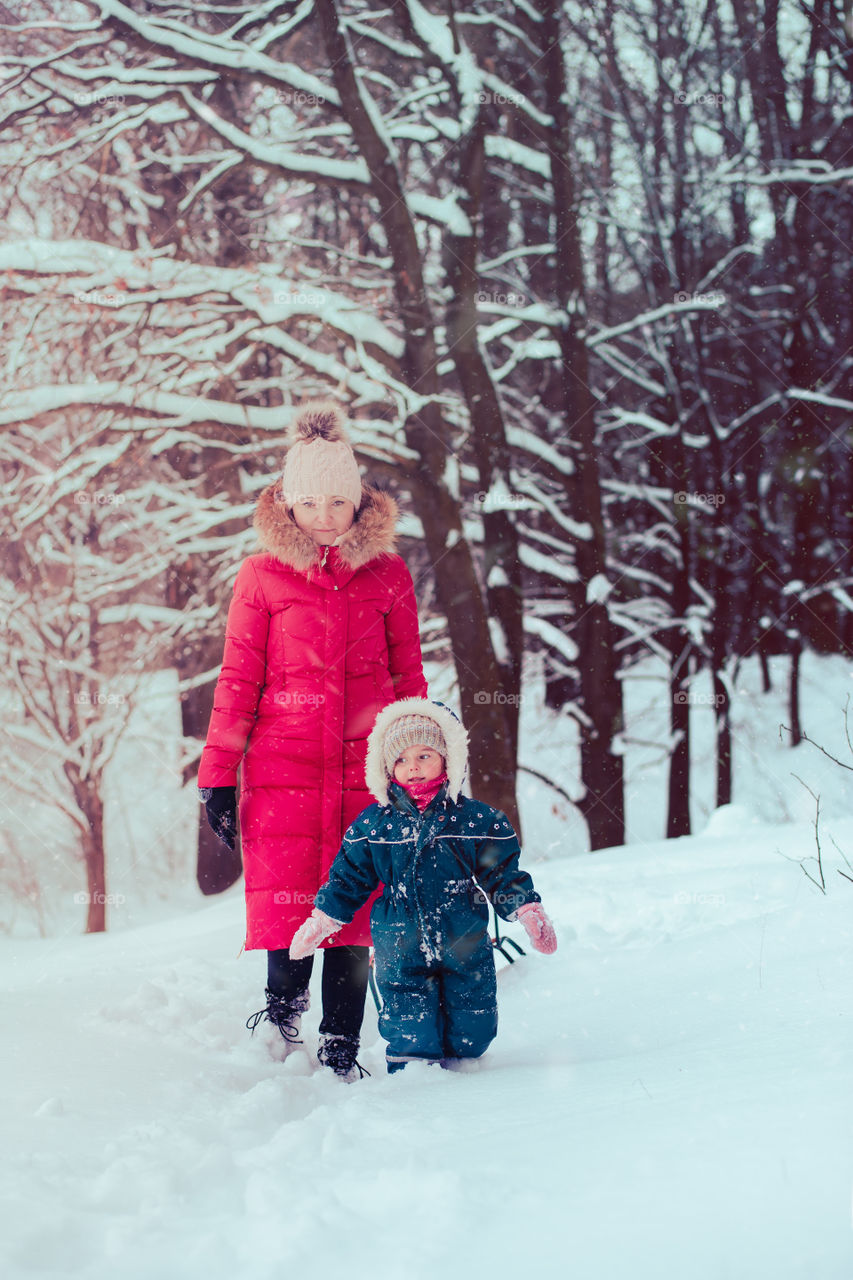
x: 324, y: 518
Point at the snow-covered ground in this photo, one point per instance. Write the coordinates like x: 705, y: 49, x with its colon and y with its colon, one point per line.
x: 669, y: 1095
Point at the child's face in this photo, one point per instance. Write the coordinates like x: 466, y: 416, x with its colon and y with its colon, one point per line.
x: 418, y: 764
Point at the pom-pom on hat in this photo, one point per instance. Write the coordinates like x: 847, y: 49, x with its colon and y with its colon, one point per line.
x: 379, y: 774
x: 411, y: 731
x: 320, y: 461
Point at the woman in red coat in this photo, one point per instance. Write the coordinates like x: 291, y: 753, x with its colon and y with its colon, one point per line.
x: 322, y: 633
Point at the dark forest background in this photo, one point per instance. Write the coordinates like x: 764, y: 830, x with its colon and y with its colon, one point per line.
x: 581, y: 274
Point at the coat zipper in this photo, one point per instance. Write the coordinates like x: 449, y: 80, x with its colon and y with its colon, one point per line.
x: 324, y: 557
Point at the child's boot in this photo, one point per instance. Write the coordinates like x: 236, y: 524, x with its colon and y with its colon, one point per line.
x: 339, y: 1054
x: 286, y: 1017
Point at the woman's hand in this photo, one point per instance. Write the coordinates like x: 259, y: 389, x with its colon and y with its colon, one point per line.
x: 310, y: 934
x: 540, y: 931
x: 220, y: 805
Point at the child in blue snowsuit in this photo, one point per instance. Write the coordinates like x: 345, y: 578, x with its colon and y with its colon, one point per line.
x: 440, y: 857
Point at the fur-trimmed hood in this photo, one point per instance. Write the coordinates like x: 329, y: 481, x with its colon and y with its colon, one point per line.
x: 372, y: 533
x: 375, y: 771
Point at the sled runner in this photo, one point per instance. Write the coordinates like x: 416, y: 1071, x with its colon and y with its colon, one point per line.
x: 500, y: 944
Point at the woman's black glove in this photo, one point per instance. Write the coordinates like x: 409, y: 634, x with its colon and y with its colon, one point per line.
x: 221, y: 806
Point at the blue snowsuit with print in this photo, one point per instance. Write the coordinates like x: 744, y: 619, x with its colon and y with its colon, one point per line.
x: 434, y: 960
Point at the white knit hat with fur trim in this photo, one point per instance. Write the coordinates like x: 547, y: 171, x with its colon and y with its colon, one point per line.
x: 320, y: 461
x: 378, y: 774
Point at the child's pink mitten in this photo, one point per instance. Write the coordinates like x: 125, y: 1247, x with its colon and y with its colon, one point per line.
x: 540, y: 931
x: 310, y: 934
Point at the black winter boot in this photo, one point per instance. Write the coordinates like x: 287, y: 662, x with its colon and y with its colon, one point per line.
x: 338, y: 1053
x: 286, y: 1017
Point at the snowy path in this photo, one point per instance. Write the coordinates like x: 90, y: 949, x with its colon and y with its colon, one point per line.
x: 669, y: 1096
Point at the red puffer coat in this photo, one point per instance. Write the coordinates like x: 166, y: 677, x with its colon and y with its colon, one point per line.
x: 318, y: 641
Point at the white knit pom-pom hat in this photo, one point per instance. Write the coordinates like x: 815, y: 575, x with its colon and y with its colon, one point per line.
x: 320, y: 461
x: 377, y: 773
x: 411, y: 731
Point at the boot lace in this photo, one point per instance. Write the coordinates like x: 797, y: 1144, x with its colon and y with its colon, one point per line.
x: 338, y: 1052
x: 281, y: 1013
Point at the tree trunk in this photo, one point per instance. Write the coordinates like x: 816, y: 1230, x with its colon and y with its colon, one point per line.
x: 680, y: 647
x: 501, y: 561
x: 678, y: 790
x: 603, y: 805
x: 92, y: 809
x: 794, y: 693
x: 217, y: 867
x: 722, y: 713
x: 460, y: 597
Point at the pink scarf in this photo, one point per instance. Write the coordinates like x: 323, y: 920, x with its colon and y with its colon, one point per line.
x: 423, y: 792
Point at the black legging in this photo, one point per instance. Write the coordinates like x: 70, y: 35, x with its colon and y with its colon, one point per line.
x: 344, y: 984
